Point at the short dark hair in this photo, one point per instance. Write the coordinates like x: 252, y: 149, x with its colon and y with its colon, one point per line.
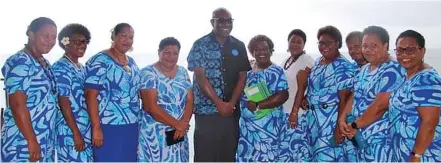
x: 354, y: 34
x: 38, y: 23
x: 169, y: 41
x: 380, y: 32
x: 117, y: 29
x: 72, y: 29
x: 414, y: 34
x: 220, y: 9
x: 333, y: 32
x: 258, y: 38
x: 298, y: 32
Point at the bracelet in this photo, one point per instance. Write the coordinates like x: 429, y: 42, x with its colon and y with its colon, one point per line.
x: 415, y: 155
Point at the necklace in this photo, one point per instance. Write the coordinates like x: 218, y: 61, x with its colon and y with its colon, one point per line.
x: 125, y: 63
x: 76, y: 65
x: 286, y: 67
x: 46, y: 69
x: 421, y: 68
x: 166, y: 71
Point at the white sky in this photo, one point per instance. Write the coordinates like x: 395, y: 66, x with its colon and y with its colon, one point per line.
x: 188, y: 20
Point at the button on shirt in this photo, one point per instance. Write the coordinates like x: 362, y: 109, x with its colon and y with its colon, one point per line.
x: 222, y: 64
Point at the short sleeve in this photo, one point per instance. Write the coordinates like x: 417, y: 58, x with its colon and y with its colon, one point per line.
x: 18, y: 74
x: 427, y: 91
x: 344, y: 76
x: 309, y: 61
x: 392, y: 77
x: 187, y: 79
x: 195, y: 57
x: 245, y: 63
x: 96, y: 71
x: 149, y: 79
x: 64, y: 80
x: 282, y: 83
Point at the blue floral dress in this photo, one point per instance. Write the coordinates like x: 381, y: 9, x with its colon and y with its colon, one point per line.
x: 324, y: 83
x: 118, y: 107
x: 25, y: 74
x: 172, y: 97
x: 259, y: 139
x: 421, y: 90
x: 294, y: 144
x: 387, y: 77
x: 70, y: 83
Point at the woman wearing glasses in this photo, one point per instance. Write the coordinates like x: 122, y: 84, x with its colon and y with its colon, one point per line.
x: 375, y: 82
x: 28, y: 132
x: 73, y: 126
x: 327, y: 95
x: 415, y: 106
x: 112, y: 98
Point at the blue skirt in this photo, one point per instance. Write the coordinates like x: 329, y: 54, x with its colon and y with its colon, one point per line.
x: 119, y: 145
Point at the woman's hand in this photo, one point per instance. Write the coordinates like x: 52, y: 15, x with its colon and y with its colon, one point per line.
x: 292, y: 120
x: 97, y: 137
x: 251, y: 106
x: 305, y: 104
x: 338, y: 136
x: 79, y: 142
x: 34, y: 151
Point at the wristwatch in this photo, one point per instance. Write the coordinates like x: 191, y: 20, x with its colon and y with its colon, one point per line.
x: 415, y: 155
x: 354, y: 125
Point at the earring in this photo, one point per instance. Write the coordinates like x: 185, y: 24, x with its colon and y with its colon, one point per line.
x: 112, y: 44
x: 131, y: 49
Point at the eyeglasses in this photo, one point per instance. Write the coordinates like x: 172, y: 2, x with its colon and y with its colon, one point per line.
x: 222, y: 20
x: 408, y: 50
x: 79, y: 42
x: 325, y: 43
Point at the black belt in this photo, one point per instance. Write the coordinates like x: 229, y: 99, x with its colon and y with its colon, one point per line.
x: 320, y: 106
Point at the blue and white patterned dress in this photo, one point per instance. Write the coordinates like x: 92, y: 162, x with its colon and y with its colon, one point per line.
x: 118, y: 106
x: 70, y: 83
x: 118, y: 90
x: 324, y: 83
x: 23, y: 73
x: 421, y: 90
x: 294, y: 144
x: 387, y: 77
x: 259, y: 139
x: 172, y: 97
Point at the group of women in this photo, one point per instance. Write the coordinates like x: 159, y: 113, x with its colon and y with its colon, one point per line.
x: 93, y: 112
x: 373, y: 109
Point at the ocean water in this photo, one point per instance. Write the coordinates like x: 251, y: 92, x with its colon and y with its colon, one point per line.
x: 432, y: 57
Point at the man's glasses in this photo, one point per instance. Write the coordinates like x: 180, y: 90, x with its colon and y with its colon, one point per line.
x: 222, y: 20
x: 80, y: 42
x: 408, y: 50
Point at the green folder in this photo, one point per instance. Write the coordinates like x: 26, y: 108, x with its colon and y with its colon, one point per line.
x: 257, y: 93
